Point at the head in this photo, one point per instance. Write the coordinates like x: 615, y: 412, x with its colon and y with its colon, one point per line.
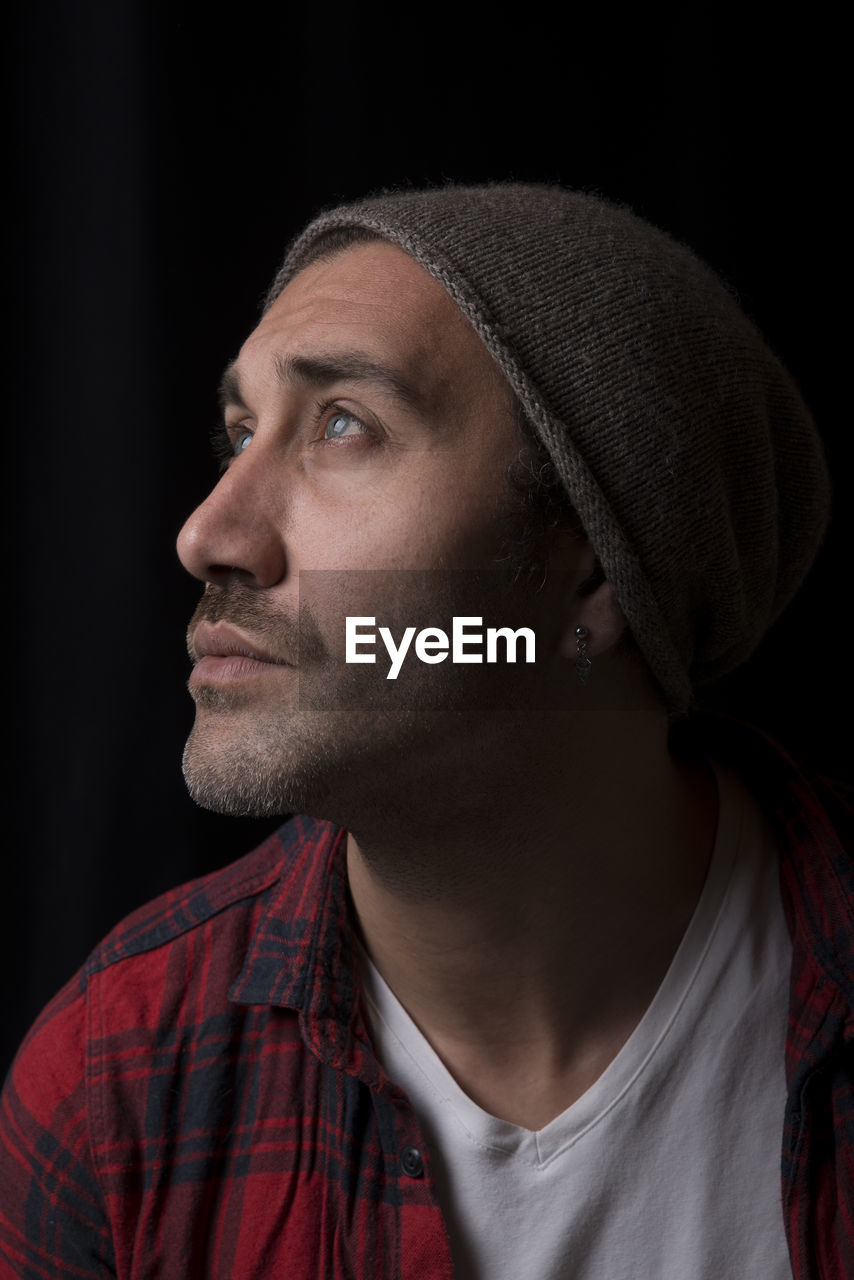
x: 518, y: 403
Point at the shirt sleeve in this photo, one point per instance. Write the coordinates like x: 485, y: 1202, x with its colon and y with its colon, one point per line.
x: 53, y: 1219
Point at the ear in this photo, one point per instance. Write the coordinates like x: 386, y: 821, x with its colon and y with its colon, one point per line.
x: 595, y: 607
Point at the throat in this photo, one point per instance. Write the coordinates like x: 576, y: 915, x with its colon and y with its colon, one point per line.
x: 514, y: 1078
x: 527, y: 978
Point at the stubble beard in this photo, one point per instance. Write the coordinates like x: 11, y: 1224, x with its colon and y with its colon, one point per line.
x: 325, y: 765
x: 325, y: 739
x: 264, y: 769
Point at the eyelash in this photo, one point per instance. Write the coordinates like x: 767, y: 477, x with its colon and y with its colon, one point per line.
x: 221, y: 444
x: 223, y: 437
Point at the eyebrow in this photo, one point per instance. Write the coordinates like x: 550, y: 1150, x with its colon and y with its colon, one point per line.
x: 322, y: 371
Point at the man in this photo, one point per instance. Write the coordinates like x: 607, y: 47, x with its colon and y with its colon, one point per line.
x: 514, y: 1001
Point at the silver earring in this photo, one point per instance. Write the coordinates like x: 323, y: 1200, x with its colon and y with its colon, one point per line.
x: 582, y: 664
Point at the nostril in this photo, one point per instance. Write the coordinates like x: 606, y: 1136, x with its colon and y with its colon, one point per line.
x: 222, y: 572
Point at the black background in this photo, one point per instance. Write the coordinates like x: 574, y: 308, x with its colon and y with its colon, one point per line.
x: 161, y: 158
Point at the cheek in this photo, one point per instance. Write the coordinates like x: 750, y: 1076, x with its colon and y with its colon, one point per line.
x: 446, y: 519
x: 450, y: 528
x: 454, y: 514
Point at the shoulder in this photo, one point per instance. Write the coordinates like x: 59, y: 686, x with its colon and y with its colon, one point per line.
x: 189, y: 943
x: 152, y: 998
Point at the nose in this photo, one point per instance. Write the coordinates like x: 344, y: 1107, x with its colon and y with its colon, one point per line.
x: 238, y: 528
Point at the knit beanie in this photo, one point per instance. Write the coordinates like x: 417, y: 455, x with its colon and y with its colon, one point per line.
x: 683, y: 444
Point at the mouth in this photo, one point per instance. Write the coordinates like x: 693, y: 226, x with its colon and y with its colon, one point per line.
x: 222, y: 653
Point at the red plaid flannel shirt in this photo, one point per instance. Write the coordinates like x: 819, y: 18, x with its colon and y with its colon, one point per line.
x: 202, y: 1098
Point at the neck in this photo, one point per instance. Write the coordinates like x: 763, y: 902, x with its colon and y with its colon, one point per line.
x: 526, y: 919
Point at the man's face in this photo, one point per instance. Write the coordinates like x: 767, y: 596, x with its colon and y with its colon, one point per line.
x: 367, y: 429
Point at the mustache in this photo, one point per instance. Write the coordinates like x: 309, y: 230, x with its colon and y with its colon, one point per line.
x: 289, y: 639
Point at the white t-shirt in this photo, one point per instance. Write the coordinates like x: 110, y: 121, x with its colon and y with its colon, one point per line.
x: 668, y: 1167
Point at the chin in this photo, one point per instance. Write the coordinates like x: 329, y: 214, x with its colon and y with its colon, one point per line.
x: 257, y: 772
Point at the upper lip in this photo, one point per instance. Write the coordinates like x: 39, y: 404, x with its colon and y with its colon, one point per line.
x: 221, y: 640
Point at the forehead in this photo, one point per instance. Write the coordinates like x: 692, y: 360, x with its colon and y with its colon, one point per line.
x: 375, y: 300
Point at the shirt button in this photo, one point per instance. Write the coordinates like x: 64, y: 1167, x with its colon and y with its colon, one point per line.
x: 411, y: 1162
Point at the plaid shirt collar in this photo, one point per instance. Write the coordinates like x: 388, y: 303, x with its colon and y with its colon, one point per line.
x: 303, y: 952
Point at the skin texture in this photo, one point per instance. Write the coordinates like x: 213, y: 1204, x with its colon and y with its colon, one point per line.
x: 524, y: 854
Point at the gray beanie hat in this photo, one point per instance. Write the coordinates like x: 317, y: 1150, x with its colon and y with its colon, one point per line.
x: 683, y: 444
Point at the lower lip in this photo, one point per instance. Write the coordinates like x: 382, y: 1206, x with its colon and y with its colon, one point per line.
x: 224, y: 669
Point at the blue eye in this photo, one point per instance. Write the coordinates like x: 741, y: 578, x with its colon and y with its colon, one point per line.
x: 241, y: 441
x: 339, y: 425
